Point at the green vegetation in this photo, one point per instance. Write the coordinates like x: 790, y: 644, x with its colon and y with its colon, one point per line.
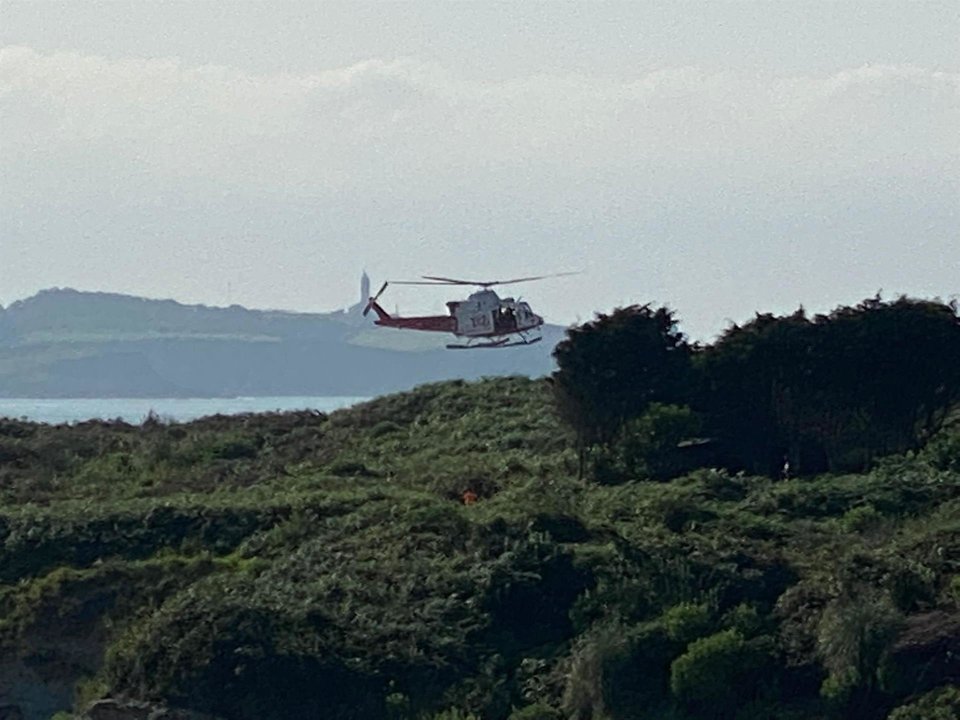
x: 304, y: 565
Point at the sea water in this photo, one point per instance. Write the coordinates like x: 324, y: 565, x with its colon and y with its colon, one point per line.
x: 135, y: 410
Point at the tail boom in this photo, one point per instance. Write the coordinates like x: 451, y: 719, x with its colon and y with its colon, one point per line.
x: 430, y: 323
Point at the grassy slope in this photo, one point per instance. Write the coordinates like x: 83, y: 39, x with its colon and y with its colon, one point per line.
x: 280, y: 565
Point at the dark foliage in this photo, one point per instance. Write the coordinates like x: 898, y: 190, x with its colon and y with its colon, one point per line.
x: 777, y: 395
x: 611, y: 369
x: 835, y: 391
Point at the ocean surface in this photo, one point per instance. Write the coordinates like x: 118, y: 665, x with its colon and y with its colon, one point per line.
x: 134, y: 410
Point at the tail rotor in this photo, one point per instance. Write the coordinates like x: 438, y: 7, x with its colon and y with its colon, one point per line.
x: 374, y: 299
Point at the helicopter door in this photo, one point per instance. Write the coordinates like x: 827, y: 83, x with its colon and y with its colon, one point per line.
x: 472, y: 320
x: 478, y: 315
x: 505, y: 319
x: 525, y: 318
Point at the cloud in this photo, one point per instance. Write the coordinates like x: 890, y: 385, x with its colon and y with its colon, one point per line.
x: 69, y: 117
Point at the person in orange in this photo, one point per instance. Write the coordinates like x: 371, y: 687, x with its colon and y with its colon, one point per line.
x: 469, y: 497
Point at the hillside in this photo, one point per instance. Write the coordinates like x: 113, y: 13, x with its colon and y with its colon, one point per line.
x: 66, y: 343
x: 303, y: 565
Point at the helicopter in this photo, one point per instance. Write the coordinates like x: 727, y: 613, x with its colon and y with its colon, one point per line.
x: 484, y: 319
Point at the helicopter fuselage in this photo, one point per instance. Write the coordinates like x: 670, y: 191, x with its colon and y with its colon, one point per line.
x: 482, y: 314
x: 485, y: 314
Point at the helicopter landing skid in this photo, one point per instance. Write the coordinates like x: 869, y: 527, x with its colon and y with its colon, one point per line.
x: 504, y: 343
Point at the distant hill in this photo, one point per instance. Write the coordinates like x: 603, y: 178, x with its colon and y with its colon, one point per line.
x: 68, y: 343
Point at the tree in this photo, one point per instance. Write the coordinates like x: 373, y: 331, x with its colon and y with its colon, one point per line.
x: 894, y: 365
x: 832, y: 392
x: 611, y: 369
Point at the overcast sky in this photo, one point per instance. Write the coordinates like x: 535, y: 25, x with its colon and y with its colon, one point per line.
x: 722, y: 158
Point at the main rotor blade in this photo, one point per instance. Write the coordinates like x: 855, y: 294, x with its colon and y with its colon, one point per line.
x: 421, y: 282
x: 453, y: 281
x: 530, y: 279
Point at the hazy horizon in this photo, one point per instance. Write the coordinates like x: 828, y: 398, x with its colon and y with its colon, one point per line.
x: 720, y: 158
x: 347, y: 305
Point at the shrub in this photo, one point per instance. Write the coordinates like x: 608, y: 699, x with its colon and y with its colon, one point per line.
x: 745, y: 619
x: 650, y: 444
x: 618, y: 671
x: 940, y: 704
x: 540, y: 711
x: 943, y: 451
x: 686, y: 622
x: 861, y: 519
x: 716, y: 674
x: 384, y: 427
x: 235, y: 448
x: 350, y: 468
x: 911, y: 585
x: 584, y: 694
x: 648, y: 447
x: 854, y: 636
x: 953, y: 590
x: 455, y: 714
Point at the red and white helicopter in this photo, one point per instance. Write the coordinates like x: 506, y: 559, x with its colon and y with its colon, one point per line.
x: 484, y: 319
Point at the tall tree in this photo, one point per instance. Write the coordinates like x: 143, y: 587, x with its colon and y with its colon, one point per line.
x: 611, y: 369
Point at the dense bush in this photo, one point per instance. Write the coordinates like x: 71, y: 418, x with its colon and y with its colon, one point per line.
x: 777, y: 395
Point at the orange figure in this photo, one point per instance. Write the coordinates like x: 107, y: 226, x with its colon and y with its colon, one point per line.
x: 469, y: 497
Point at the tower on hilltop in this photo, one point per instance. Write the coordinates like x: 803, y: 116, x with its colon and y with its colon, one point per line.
x: 355, y: 312
x: 364, y: 289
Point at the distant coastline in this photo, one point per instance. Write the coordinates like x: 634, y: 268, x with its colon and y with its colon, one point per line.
x: 57, y: 411
x: 64, y: 343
